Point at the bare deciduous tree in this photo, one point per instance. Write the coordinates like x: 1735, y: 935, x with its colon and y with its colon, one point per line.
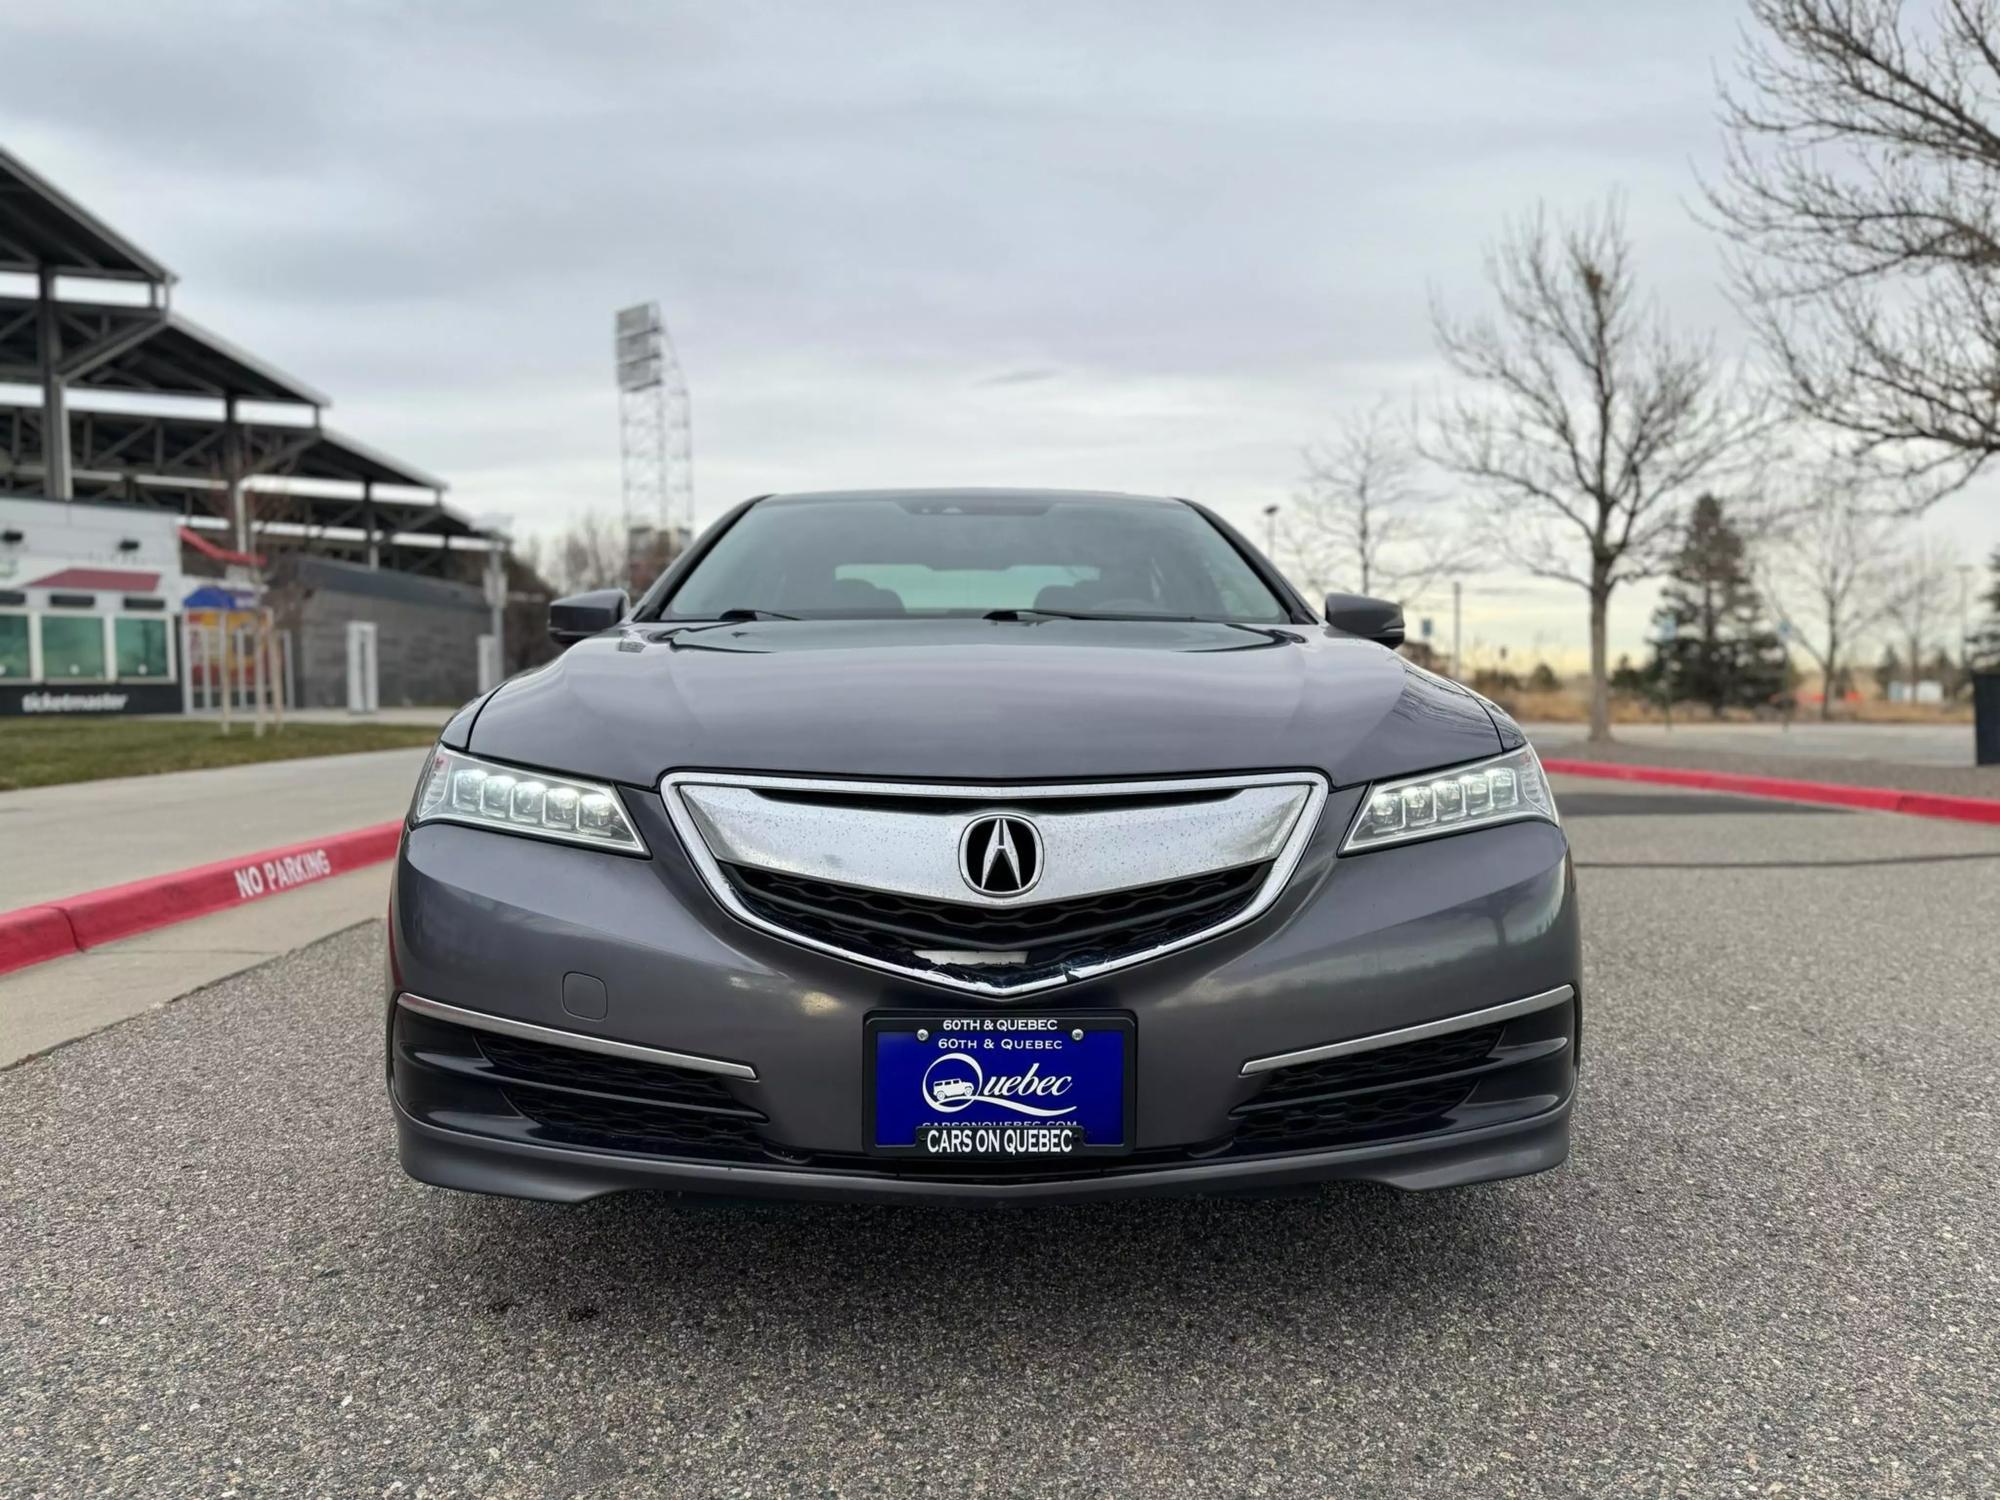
x: 1862, y: 184
x: 1362, y: 519
x: 1829, y: 576
x: 1918, y: 599
x: 589, y: 553
x: 1588, y: 425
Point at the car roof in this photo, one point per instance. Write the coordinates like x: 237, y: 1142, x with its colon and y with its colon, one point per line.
x: 809, y: 497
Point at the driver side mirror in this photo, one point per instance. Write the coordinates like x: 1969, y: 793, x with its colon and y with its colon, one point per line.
x: 582, y: 616
x: 1378, y: 620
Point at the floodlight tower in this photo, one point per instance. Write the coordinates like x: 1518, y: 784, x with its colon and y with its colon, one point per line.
x: 656, y: 445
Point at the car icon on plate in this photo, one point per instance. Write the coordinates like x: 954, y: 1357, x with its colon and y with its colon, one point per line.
x: 951, y: 1088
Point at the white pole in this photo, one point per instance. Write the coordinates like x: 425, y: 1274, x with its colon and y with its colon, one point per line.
x: 224, y: 630
x: 274, y: 643
x: 257, y: 675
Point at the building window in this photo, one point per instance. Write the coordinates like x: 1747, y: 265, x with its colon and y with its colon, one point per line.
x: 72, y: 648
x: 14, y: 661
x: 142, y: 648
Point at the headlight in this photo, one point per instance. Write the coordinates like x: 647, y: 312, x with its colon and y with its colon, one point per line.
x: 460, y: 789
x: 1501, y: 790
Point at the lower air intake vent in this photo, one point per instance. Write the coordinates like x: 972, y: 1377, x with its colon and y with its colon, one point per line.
x: 1386, y: 1091
x: 528, y: 1061
x: 1383, y: 1065
x: 627, y: 1124
x: 1327, y: 1121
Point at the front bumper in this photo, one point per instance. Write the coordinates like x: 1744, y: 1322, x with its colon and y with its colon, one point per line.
x: 1380, y: 943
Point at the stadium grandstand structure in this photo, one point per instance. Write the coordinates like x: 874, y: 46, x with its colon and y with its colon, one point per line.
x: 159, y: 419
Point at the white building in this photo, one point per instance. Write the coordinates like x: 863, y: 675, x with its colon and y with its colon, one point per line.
x: 90, y: 600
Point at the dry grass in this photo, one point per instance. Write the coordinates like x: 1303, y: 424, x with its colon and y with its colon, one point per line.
x: 1871, y: 711
x: 45, y: 752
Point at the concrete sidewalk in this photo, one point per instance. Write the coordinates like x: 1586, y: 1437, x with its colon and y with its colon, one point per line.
x: 62, y: 840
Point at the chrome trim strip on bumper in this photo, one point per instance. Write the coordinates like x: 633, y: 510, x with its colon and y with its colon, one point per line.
x: 1282, y: 865
x: 577, y: 1041
x: 1507, y: 1012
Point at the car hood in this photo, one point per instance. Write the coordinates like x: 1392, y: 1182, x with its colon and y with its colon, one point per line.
x: 979, y: 700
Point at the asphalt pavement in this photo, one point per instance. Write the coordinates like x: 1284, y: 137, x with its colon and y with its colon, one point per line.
x: 1771, y: 1267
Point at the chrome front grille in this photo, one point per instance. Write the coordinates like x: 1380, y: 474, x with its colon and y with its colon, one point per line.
x: 1042, y: 938
x: 878, y: 872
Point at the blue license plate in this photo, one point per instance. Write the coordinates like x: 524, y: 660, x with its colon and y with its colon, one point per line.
x: 1000, y: 1085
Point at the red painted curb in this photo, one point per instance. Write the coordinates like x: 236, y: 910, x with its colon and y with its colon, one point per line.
x: 54, y: 928
x: 1789, y: 789
x: 32, y: 935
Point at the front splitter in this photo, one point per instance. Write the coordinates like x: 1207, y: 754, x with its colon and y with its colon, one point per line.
x: 480, y: 1164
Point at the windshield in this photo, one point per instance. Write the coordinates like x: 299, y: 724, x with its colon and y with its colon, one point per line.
x: 866, y: 557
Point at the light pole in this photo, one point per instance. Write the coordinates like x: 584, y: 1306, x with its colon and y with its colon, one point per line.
x: 1666, y: 632
x: 1965, y: 572
x: 1271, y: 533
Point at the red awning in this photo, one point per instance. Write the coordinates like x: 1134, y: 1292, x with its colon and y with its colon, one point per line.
x: 208, y: 549
x: 98, y: 578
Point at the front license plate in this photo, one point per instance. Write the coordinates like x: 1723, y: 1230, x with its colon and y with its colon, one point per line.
x: 999, y: 1086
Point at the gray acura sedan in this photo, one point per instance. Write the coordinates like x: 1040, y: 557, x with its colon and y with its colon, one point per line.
x: 979, y: 844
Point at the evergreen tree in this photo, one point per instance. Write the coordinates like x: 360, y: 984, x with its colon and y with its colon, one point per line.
x: 1723, y: 653
x: 1889, y: 670
x: 1628, y: 679
x: 1947, y: 673
x: 1985, y: 648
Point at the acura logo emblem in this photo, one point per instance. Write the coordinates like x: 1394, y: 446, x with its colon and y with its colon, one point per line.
x: 1000, y: 855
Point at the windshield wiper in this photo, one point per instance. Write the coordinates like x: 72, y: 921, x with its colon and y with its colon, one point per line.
x: 695, y: 624
x: 1077, y: 614
x: 1266, y: 631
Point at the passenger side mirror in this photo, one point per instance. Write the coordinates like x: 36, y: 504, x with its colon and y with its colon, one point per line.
x: 582, y: 616
x: 1378, y: 620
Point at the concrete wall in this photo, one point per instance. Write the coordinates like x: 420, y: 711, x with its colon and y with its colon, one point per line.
x: 427, y: 631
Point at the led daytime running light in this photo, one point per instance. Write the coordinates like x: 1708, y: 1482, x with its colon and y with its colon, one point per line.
x: 460, y: 789
x: 1502, y: 790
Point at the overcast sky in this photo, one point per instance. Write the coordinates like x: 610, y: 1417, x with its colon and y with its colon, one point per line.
x: 1138, y: 246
